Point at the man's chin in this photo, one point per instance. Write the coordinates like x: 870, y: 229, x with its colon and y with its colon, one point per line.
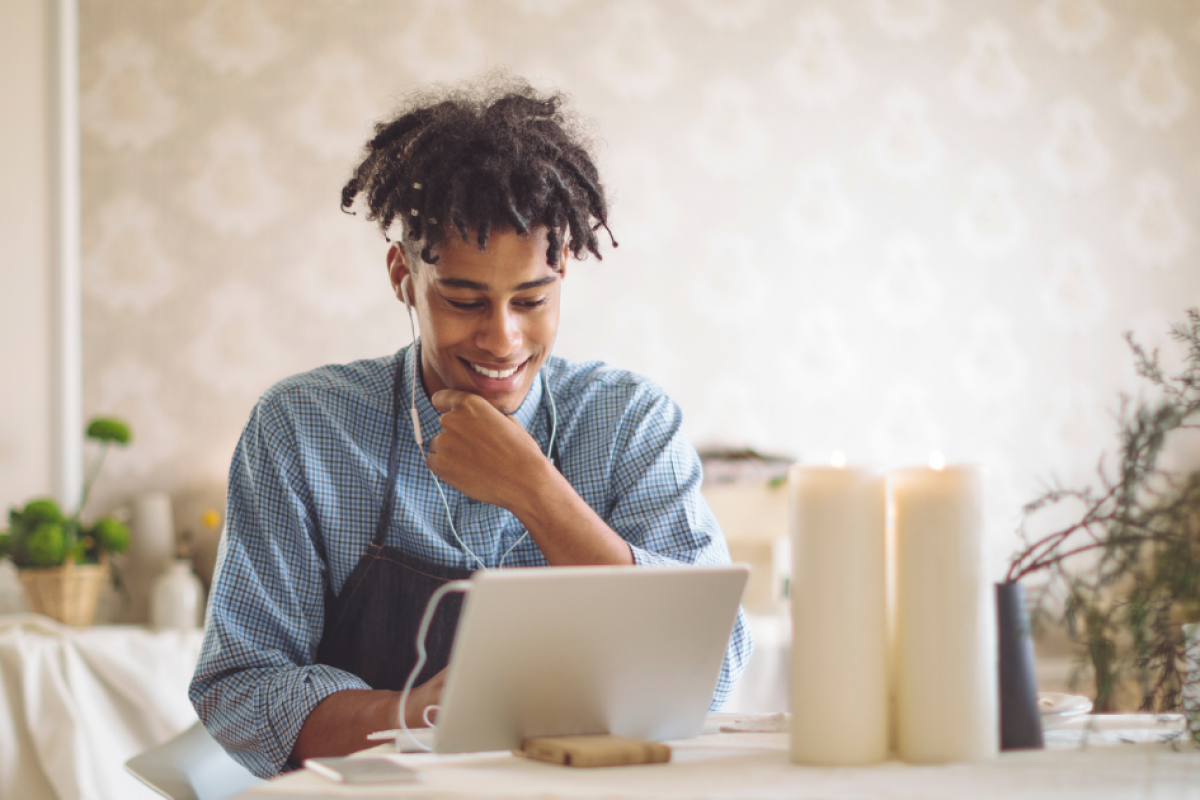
x: 505, y: 405
x: 506, y: 402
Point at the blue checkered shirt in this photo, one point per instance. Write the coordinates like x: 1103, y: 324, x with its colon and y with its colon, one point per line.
x: 308, y: 478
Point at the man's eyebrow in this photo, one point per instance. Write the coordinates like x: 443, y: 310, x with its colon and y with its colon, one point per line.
x: 527, y: 285
x: 461, y: 283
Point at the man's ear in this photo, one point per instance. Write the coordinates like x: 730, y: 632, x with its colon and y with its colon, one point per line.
x: 398, y: 270
x: 562, y: 262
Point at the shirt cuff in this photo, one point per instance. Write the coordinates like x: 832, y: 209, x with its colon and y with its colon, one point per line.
x: 256, y: 715
x: 648, y: 558
x: 287, y: 715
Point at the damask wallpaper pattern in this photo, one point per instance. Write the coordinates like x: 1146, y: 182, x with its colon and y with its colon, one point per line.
x: 879, y: 226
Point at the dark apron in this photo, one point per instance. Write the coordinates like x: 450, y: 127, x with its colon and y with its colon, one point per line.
x: 371, y: 627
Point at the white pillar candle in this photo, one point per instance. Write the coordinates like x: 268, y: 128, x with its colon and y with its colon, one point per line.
x: 945, y: 636
x: 839, y: 687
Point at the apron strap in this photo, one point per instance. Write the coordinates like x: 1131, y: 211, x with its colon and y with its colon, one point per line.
x: 389, y: 490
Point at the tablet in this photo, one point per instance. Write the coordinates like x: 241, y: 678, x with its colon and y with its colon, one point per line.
x: 632, y: 651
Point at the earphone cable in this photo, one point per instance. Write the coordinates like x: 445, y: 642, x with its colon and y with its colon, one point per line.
x: 450, y: 520
x: 422, y: 632
x: 549, y: 454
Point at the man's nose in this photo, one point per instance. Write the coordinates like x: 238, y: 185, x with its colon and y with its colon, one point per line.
x: 500, y: 334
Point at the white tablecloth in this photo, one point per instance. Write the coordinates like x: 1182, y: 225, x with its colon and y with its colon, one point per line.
x: 757, y: 765
x: 76, y: 703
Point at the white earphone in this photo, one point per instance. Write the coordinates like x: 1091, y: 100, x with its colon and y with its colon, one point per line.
x: 403, y: 289
x: 412, y: 410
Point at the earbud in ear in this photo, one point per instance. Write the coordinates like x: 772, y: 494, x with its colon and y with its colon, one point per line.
x: 404, y: 295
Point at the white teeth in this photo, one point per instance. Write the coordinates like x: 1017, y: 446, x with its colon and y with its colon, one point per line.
x: 496, y: 374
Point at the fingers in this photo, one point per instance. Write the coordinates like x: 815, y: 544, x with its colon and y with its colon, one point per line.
x: 436, y: 680
x: 448, y: 399
x: 422, y: 697
x: 432, y: 459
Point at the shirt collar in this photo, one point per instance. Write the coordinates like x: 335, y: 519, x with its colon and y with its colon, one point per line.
x: 431, y: 418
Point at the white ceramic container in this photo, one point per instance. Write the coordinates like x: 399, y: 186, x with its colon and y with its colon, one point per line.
x: 177, y: 598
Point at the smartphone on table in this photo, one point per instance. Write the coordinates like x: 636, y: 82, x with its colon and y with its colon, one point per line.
x: 366, y: 769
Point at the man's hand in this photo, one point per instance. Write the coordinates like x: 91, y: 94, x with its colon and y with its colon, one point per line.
x: 340, y: 723
x: 483, y: 453
x: 490, y: 457
x: 420, y: 698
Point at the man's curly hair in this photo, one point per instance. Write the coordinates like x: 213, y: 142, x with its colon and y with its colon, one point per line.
x: 508, y: 159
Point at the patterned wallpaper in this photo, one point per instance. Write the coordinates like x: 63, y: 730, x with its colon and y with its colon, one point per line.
x: 880, y: 226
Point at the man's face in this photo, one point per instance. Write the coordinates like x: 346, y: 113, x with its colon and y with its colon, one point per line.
x: 487, y: 318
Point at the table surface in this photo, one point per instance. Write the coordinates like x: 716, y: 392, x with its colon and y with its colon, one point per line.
x: 1090, y: 757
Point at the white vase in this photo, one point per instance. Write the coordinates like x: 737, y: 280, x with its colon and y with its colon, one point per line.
x: 1191, y: 678
x: 151, y: 550
x: 177, y: 598
x: 12, y: 599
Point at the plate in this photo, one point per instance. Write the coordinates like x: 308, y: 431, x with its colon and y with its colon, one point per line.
x: 1056, y: 706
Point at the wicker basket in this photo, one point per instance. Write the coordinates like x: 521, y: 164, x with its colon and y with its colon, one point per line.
x: 68, y: 593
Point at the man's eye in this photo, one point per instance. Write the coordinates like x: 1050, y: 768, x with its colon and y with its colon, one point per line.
x: 464, y: 306
x: 532, y: 303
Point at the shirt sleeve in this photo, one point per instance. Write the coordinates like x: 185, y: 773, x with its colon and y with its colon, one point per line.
x: 659, y: 511
x: 256, y: 680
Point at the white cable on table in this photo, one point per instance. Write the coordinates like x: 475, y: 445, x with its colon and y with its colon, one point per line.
x: 442, y: 591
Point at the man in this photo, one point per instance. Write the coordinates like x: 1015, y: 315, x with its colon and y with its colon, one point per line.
x: 357, y: 490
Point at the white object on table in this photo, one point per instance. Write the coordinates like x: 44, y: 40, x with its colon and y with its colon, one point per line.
x: 75, y: 704
x: 1056, y: 708
x: 151, y: 550
x: 177, y: 598
x: 839, y: 686
x: 945, y: 636
x: 1116, y: 729
x: 12, y: 596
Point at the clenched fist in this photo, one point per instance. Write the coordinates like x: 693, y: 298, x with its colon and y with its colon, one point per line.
x: 483, y: 453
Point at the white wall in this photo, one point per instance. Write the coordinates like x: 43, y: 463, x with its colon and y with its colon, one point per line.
x: 878, y: 226
x: 26, y: 151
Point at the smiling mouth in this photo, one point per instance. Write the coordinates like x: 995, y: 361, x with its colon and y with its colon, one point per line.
x: 495, y: 374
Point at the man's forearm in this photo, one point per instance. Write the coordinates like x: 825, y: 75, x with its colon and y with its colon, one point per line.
x: 340, y: 723
x: 566, y: 529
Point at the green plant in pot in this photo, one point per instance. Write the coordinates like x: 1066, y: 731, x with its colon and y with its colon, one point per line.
x: 1124, y: 576
x: 62, y: 562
